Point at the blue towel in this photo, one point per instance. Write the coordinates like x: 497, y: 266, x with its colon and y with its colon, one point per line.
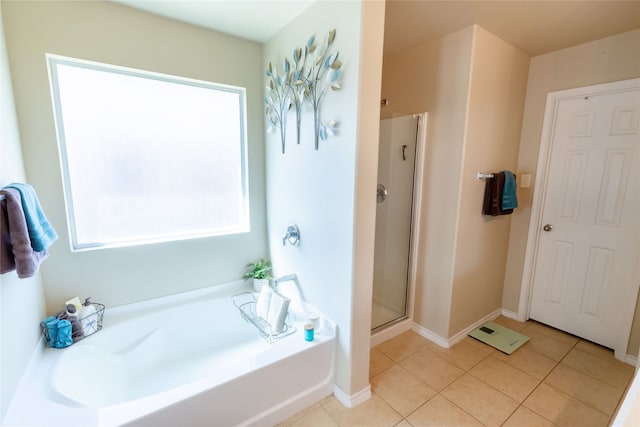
x: 41, y: 232
x: 51, y: 323
x: 64, y: 336
x: 509, y: 197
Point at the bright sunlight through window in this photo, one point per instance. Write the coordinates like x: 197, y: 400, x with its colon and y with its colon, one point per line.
x: 148, y: 157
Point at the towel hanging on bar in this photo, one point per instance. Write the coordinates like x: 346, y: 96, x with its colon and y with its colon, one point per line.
x: 16, y: 252
x: 493, y: 195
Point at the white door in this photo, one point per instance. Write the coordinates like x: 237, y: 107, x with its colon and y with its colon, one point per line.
x: 585, y: 272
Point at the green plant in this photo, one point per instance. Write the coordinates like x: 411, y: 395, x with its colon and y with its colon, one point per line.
x: 258, y: 270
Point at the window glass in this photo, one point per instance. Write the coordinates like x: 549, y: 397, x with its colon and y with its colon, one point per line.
x: 148, y: 157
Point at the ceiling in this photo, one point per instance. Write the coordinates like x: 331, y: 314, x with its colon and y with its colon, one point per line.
x: 535, y: 27
x: 256, y: 20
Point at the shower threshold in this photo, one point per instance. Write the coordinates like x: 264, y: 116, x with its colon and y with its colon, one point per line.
x: 383, y: 316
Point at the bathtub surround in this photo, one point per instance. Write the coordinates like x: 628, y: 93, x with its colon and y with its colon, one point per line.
x: 327, y: 192
x: 226, y: 376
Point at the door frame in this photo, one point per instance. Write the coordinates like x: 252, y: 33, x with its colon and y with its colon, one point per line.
x: 539, y: 193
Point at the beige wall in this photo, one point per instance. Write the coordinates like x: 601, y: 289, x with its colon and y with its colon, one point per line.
x: 115, y: 34
x: 472, y: 84
x: 605, y: 60
x: 21, y: 300
x: 496, y: 102
x: 435, y: 78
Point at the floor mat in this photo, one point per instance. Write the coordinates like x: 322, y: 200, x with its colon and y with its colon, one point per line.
x: 499, y: 337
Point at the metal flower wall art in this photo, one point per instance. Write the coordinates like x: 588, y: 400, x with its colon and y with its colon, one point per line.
x: 305, y: 79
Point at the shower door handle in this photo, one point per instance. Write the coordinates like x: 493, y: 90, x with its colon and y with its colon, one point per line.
x: 381, y: 193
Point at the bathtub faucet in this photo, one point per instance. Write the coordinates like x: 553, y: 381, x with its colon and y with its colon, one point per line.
x: 287, y: 278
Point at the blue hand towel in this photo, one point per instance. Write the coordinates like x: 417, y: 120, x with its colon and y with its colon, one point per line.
x: 509, y: 197
x: 41, y: 232
x: 51, y: 323
x: 64, y: 337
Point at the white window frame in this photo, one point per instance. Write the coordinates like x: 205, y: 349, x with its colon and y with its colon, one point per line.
x: 76, y: 245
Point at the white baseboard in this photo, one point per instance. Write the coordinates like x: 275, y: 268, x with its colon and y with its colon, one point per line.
x: 390, y: 332
x: 463, y: 333
x: 631, y: 360
x: 449, y: 342
x: 512, y: 315
x: 431, y: 336
x: 353, y: 400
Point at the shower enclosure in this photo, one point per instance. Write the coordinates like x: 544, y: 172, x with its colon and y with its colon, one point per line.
x: 394, y: 219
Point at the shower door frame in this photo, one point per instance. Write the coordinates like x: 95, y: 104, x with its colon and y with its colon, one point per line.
x: 396, y: 327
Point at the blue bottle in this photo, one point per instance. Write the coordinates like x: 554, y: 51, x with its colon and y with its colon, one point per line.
x: 308, y: 332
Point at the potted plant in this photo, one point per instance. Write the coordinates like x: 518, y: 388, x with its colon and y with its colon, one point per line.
x: 260, y: 272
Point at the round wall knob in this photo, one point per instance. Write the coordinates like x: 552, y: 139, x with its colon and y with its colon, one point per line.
x: 381, y: 193
x: 548, y: 227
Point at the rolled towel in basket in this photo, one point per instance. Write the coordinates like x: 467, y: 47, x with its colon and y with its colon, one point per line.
x: 64, y: 337
x: 264, y: 299
x: 51, y: 325
x: 278, y: 308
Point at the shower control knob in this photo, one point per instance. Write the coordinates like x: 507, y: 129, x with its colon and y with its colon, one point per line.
x: 292, y: 235
x: 381, y: 193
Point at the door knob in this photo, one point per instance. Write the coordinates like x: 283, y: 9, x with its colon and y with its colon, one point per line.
x: 548, y: 227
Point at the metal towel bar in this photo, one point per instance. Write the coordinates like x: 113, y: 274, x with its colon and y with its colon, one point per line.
x: 484, y: 175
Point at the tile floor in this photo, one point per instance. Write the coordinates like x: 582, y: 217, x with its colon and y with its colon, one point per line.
x: 555, y: 379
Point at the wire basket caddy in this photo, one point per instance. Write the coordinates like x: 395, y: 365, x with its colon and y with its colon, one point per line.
x: 246, y: 304
x: 93, y: 319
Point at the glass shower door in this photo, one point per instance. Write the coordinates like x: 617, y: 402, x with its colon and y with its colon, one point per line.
x: 396, y: 166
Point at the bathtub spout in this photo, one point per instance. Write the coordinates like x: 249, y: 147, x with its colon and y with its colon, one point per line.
x: 287, y: 278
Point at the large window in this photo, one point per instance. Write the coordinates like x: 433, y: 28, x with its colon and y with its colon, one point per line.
x: 148, y: 157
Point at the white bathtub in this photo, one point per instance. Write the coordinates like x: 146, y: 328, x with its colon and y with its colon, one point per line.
x: 185, y: 360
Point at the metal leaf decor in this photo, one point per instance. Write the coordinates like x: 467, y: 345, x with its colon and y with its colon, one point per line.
x: 277, y: 102
x: 322, y: 75
x: 312, y: 72
x: 297, y: 86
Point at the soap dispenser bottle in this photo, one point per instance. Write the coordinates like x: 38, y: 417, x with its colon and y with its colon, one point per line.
x: 88, y: 318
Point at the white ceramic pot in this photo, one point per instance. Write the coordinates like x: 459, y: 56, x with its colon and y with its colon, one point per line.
x: 259, y: 283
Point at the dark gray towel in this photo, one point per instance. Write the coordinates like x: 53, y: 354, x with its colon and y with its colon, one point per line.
x: 492, y: 204
x: 16, y: 252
